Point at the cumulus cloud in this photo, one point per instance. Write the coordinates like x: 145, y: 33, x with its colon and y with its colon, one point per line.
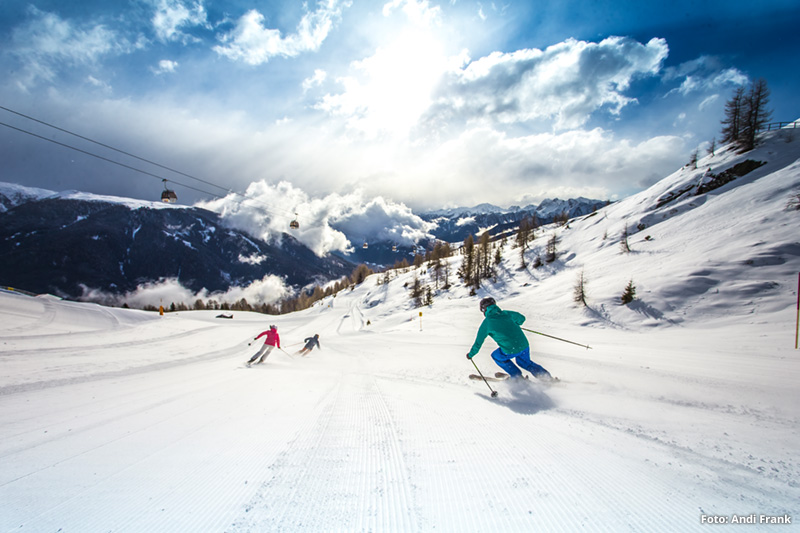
x: 565, y: 83
x: 172, y: 15
x: 266, y: 210
x: 253, y: 43
x: 267, y: 290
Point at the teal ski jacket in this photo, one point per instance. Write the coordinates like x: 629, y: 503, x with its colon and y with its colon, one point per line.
x: 503, y: 327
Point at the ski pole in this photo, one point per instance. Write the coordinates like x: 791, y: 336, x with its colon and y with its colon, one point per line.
x: 558, y: 339
x: 494, y: 392
x: 287, y: 353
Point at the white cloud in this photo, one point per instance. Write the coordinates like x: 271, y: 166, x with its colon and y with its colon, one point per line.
x: 172, y: 15
x: 484, y: 165
x: 253, y: 43
x: 708, y: 101
x: 419, y: 12
x: 94, y: 82
x: 47, y: 43
x: 314, y: 81
x: 323, y: 221
x: 565, y: 83
x: 703, y: 74
x: 165, y: 66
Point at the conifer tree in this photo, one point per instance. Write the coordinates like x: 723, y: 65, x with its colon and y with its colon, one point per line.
x: 485, y: 269
x: 629, y: 294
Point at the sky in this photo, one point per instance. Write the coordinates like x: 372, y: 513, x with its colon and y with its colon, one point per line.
x: 419, y: 104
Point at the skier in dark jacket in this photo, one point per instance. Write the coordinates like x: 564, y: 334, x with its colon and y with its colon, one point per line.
x: 504, y: 328
x: 310, y: 343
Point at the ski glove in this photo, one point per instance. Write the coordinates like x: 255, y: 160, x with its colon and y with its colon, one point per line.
x: 470, y: 356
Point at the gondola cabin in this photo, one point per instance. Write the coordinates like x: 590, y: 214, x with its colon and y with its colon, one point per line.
x: 167, y: 195
x: 366, y: 245
x: 294, y: 224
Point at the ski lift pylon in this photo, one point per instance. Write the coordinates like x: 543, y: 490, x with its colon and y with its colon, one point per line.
x: 167, y: 195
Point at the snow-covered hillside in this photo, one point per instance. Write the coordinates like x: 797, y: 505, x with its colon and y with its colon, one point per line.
x: 686, y: 409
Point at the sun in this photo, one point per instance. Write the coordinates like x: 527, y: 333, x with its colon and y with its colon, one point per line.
x: 392, y: 88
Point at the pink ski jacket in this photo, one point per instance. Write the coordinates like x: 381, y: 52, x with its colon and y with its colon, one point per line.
x: 273, y: 339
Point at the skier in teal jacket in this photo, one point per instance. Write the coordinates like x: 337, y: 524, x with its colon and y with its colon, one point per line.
x: 504, y: 328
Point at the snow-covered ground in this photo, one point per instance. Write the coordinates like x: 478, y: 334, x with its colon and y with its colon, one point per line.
x: 685, y: 411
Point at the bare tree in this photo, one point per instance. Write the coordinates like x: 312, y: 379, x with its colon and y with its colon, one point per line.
x: 550, y: 250
x: 468, y: 267
x: 623, y: 241
x: 693, y: 160
x: 734, y: 113
x: 579, y: 294
x: 756, y: 114
x: 712, y: 147
x: 525, y: 234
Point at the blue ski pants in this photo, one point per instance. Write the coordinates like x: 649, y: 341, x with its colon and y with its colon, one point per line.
x: 523, y: 359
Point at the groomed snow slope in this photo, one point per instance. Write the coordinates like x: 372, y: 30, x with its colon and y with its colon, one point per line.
x: 685, y: 408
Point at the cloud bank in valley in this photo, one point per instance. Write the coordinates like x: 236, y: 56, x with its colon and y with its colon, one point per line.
x: 268, y: 290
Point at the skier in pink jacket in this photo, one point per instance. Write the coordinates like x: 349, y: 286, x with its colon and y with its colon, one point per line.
x: 272, y: 340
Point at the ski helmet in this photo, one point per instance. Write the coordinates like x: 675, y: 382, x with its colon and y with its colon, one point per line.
x: 273, y: 326
x: 485, y: 303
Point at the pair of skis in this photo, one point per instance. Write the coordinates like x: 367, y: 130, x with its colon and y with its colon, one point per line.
x: 498, y: 376
x: 502, y: 376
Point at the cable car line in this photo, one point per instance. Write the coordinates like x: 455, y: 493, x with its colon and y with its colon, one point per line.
x: 114, y: 149
x: 105, y: 159
x: 293, y: 225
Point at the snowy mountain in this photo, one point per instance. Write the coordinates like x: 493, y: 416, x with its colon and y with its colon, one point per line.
x: 683, y: 415
x: 456, y: 224
x: 456, y: 212
x: 12, y: 195
x: 72, y: 243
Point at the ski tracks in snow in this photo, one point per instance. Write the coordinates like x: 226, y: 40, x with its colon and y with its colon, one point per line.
x: 346, y: 466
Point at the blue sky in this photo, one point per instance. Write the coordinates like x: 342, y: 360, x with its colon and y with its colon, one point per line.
x: 428, y: 104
